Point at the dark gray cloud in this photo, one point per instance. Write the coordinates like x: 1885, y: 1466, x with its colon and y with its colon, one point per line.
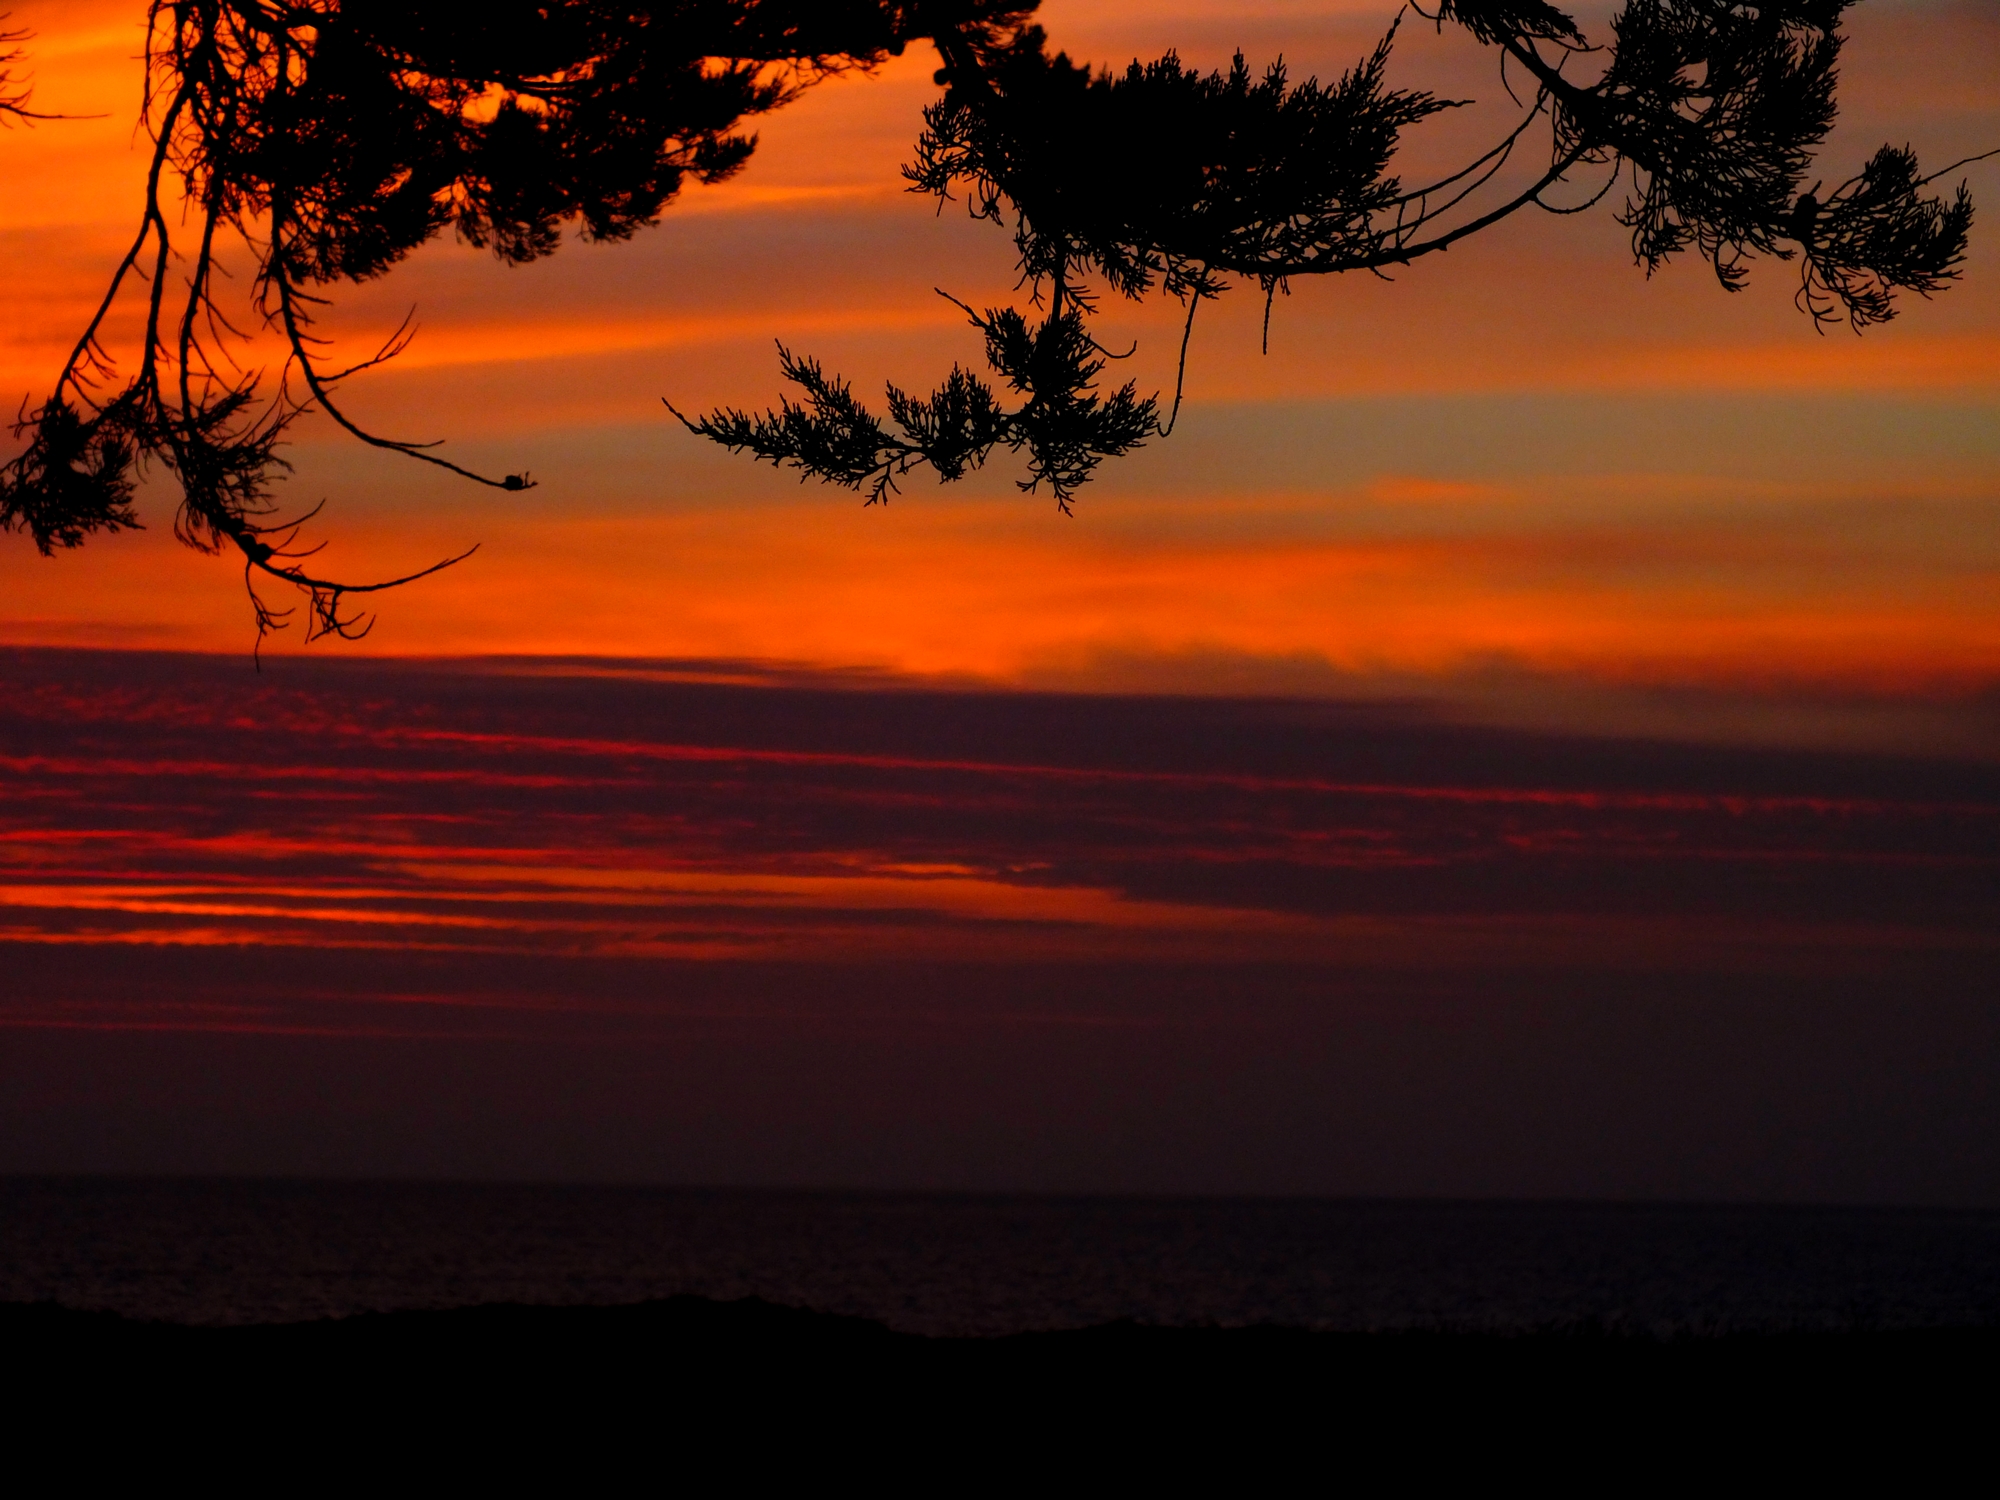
x: 390, y: 917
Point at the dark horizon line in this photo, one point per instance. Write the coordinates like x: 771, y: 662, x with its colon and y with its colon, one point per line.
x: 1000, y: 1195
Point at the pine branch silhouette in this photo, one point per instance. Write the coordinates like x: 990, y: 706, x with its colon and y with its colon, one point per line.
x: 329, y: 139
x: 1064, y: 427
x: 1160, y: 179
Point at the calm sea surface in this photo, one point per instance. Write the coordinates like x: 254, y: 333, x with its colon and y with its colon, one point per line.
x: 258, y: 1251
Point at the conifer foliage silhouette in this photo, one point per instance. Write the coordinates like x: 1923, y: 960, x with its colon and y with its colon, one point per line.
x: 331, y: 138
x: 1706, y: 112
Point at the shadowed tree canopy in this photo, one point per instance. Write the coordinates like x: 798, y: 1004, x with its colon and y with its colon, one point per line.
x: 331, y: 138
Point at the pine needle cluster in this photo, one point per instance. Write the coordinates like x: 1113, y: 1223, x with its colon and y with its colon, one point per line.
x: 329, y: 139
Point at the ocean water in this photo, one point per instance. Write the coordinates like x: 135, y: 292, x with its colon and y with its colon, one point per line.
x: 228, y: 1251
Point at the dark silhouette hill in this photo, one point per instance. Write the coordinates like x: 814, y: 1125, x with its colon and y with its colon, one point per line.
x: 692, y: 1391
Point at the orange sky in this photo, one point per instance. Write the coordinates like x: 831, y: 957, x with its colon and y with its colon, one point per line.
x: 1522, y: 458
x: 784, y: 903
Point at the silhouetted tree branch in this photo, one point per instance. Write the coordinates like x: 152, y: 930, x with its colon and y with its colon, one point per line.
x: 1065, y: 428
x: 1160, y: 178
x: 14, y: 92
x: 329, y: 139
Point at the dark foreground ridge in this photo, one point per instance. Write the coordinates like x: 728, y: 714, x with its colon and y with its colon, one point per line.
x: 757, y: 1386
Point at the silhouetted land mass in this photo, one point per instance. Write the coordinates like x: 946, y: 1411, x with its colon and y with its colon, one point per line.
x: 748, y: 1387
x: 327, y: 141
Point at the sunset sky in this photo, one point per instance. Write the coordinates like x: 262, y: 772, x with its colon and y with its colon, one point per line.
x: 1539, y: 720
